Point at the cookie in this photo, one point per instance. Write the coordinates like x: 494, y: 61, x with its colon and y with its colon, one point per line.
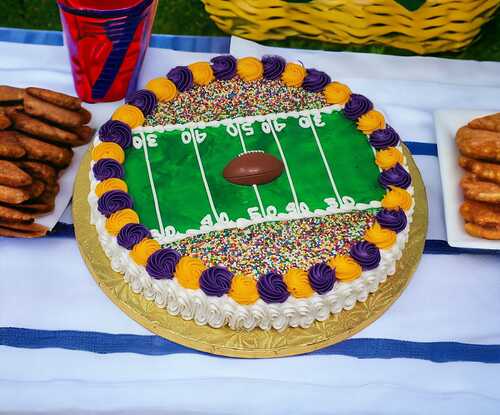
x: 485, y: 232
x: 489, y: 123
x: 42, y: 204
x: 483, y: 214
x: 41, y: 151
x: 13, y: 195
x: 84, y: 132
x: 11, y: 215
x: 85, y: 115
x: 11, y: 175
x: 56, y: 98
x: 10, y: 94
x: 479, y: 144
x: 33, y: 230
x: 10, y: 148
x: 479, y: 190
x: 483, y: 170
x: 39, y: 170
x: 5, y: 121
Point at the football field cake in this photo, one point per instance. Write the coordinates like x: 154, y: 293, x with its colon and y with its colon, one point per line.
x: 252, y: 193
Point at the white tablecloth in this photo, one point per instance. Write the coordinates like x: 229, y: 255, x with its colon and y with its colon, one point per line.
x: 64, y: 346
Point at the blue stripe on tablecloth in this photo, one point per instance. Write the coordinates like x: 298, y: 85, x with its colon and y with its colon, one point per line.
x: 208, y: 44
x: 106, y: 343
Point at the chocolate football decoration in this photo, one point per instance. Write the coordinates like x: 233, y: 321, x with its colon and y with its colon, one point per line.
x: 254, y: 167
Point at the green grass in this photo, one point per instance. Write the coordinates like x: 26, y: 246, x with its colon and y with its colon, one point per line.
x: 188, y: 17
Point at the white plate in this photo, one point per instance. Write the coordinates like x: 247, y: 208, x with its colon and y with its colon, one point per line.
x: 447, y: 122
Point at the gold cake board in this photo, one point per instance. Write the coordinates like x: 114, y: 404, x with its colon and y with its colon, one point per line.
x: 256, y: 343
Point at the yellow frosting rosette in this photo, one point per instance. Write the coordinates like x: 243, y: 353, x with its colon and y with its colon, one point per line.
x: 371, y: 121
x: 346, y: 268
x: 110, y: 184
x: 108, y: 150
x: 297, y: 282
x: 163, y: 88
x: 202, y: 73
x: 119, y: 219
x: 130, y: 115
x: 397, y: 198
x: 382, y: 238
x: 250, y: 69
x: 293, y: 75
x: 244, y: 289
x: 143, y: 250
x: 388, y: 158
x: 336, y: 93
x: 188, y: 272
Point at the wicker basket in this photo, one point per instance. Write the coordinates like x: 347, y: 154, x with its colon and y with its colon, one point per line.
x: 438, y: 25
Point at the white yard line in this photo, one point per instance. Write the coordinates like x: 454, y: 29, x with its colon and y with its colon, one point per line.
x: 256, y: 190
x: 290, y: 181
x: 325, y: 161
x: 152, y: 184
x: 202, y: 171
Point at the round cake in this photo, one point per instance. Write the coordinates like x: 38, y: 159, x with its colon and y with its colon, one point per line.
x: 250, y: 193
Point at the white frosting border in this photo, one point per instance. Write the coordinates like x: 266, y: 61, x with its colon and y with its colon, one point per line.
x: 220, y: 311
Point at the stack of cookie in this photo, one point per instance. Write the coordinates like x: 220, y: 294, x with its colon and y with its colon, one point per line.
x: 38, y: 129
x: 479, y: 146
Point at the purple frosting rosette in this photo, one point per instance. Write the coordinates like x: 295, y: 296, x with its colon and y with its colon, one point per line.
x: 116, y: 132
x: 182, y: 77
x: 365, y: 254
x: 321, y: 278
x: 395, y: 176
x: 224, y: 67
x: 315, y: 81
x: 145, y: 100
x: 131, y: 234
x: 357, y: 106
x: 272, y: 288
x: 161, y: 264
x: 112, y: 201
x: 395, y: 220
x: 274, y: 66
x: 383, y: 138
x: 216, y: 281
x: 107, y: 169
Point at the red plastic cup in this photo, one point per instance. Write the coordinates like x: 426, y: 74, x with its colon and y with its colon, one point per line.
x: 107, y: 41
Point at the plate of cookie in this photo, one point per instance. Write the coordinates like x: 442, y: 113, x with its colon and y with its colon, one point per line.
x: 469, y: 157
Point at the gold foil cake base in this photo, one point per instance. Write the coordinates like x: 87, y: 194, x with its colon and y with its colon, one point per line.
x: 256, y: 343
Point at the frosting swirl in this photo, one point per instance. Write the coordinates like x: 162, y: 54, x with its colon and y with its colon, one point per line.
x: 244, y: 289
x: 365, y: 254
x: 346, y: 268
x: 131, y: 234
x: 161, y: 264
x: 273, y: 66
x: 112, y: 201
x: 116, y: 132
x: 397, y: 198
x: 371, y: 121
x: 297, y: 283
x: 145, y: 100
x: 293, y: 75
x: 143, y: 250
x: 188, y: 271
x: 216, y: 281
x: 395, y: 176
x: 394, y: 220
x: 130, y: 115
x: 224, y: 67
x: 107, y: 168
x: 182, y: 77
x: 357, y: 106
x: 337, y: 93
x: 315, y: 80
x: 163, y: 88
x: 110, y: 184
x: 119, y: 219
x: 388, y: 158
x: 272, y: 288
x: 202, y: 73
x: 249, y: 69
x: 108, y: 151
x: 382, y: 238
x: 386, y: 137
x: 321, y: 277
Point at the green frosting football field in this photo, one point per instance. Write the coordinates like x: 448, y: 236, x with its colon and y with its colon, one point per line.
x: 175, y: 177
